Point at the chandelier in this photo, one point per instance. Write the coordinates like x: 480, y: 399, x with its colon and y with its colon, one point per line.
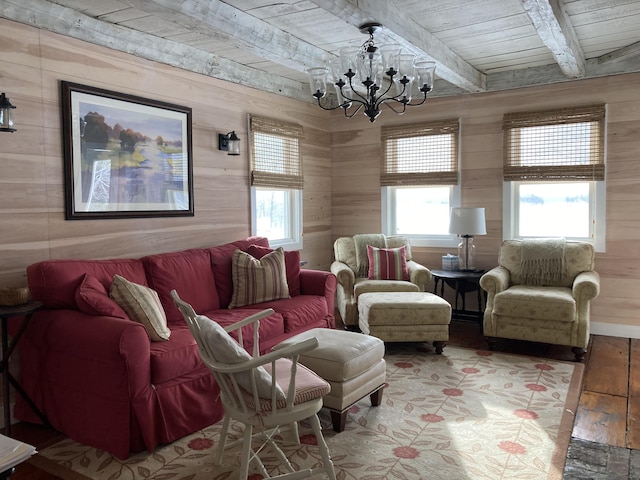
x: 369, y: 76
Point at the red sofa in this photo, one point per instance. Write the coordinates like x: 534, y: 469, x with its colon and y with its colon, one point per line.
x: 100, y: 380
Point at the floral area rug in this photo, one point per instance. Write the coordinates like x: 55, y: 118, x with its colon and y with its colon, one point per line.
x: 466, y: 414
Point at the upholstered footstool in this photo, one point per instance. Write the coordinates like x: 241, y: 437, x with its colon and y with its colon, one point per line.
x: 405, y: 317
x: 352, y: 363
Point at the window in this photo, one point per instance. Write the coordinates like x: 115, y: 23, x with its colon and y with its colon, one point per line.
x: 276, y: 182
x: 554, y: 168
x: 419, y: 181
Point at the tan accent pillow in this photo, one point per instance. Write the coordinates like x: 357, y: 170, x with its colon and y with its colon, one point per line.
x: 142, y: 305
x: 257, y: 281
x: 225, y: 349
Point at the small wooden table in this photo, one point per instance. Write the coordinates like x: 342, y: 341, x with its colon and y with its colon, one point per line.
x: 25, y: 311
x: 462, y: 281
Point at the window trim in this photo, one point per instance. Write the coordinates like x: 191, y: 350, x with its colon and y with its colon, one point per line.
x: 295, y: 218
x: 597, y: 204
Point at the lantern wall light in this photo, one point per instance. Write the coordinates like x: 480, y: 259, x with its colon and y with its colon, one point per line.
x: 6, y: 123
x: 229, y: 143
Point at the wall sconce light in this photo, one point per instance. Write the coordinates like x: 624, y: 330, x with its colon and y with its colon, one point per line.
x: 6, y: 124
x: 229, y: 143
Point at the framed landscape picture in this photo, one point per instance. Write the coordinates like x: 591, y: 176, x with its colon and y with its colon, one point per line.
x: 125, y: 156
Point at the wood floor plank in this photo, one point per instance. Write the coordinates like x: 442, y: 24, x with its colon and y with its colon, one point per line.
x: 608, y: 366
x: 633, y: 419
x: 601, y: 418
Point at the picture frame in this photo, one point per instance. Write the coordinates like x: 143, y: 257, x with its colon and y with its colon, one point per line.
x: 125, y: 156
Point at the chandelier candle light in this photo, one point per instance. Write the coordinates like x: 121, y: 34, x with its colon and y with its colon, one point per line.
x: 467, y: 222
x: 370, y: 76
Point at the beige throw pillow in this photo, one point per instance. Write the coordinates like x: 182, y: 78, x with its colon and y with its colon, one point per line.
x: 258, y: 281
x: 142, y: 305
x: 226, y: 350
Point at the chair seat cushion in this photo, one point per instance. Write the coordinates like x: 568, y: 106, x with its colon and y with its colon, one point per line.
x: 309, y: 386
x: 544, y: 303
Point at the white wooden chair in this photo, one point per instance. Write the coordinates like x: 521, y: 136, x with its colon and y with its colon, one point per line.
x: 264, y: 392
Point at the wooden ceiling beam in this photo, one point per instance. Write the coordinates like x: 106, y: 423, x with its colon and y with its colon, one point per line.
x: 399, y: 27
x: 65, y: 21
x: 554, y: 28
x: 622, y: 54
x: 247, y: 32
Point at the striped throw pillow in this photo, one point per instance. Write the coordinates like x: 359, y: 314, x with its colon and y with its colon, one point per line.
x: 142, y: 305
x: 258, y: 280
x: 387, y: 263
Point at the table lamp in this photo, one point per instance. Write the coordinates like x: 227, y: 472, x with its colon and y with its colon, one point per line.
x: 467, y: 222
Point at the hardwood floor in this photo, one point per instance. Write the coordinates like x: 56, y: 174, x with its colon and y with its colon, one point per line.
x: 609, y: 410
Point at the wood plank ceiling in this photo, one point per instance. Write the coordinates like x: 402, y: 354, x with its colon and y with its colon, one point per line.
x: 479, y: 45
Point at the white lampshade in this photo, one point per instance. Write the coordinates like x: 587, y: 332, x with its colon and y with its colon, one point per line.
x: 467, y: 221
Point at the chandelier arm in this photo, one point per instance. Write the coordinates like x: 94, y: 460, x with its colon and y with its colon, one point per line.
x: 386, y: 101
x: 419, y: 103
x: 389, y: 88
x: 355, y: 111
x: 362, y: 100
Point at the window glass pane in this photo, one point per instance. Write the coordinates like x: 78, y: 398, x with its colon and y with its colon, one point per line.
x: 421, y: 210
x: 554, y: 209
x: 272, y: 213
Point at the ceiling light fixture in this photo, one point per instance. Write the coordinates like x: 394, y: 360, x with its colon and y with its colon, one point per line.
x: 373, y: 76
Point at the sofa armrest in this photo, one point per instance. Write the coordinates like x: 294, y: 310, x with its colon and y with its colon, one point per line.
x: 586, y: 286
x: 102, y: 351
x: 495, y: 280
x: 418, y: 274
x: 344, y: 275
x: 321, y: 283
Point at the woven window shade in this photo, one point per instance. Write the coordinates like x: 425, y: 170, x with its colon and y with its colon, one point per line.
x: 420, y: 154
x: 565, y: 144
x: 275, y: 154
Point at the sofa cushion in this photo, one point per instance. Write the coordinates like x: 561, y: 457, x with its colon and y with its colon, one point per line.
x: 387, y: 263
x: 298, y: 312
x: 142, y: 305
x: 291, y: 262
x: 225, y: 349
x: 221, y: 257
x: 92, y: 298
x: 543, y: 303
x: 270, y: 327
x: 189, y: 273
x: 55, y: 282
x: 258, y: 280
x: 174, y: 358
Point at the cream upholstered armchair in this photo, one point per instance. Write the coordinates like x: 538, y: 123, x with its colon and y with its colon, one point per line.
x: 351, y: 267
x: 541, y: 291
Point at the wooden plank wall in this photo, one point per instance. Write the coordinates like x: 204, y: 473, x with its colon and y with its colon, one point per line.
x: 32, y: 224
x: 341, y: 161
x: 357, y: 156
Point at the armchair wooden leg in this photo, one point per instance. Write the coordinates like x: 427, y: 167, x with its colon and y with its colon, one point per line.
x: 493, y: 342
x: 579, y: 353
x: 439, y: 347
